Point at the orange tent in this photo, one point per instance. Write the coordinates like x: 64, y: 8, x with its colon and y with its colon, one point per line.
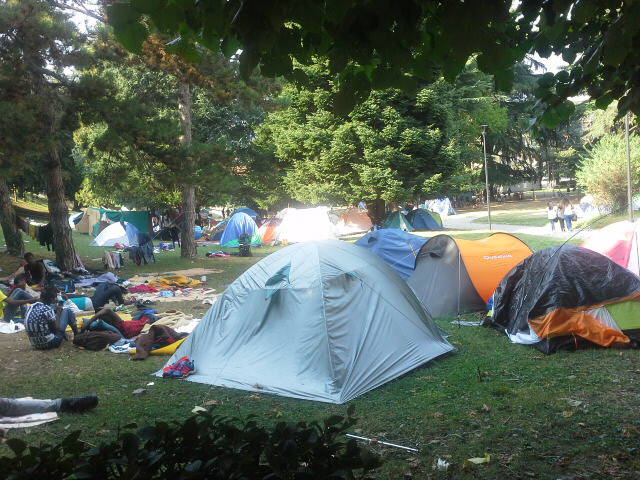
x: 269, y: 229
x: 354, y: 221
x: 454, y: 275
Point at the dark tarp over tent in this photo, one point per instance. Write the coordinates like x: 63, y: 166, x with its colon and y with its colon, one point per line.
x: 92, y: 217
x: 454, y: 276
x: 566, y: 298
x: 323, y: 320
x: 399, y: 249
x: 422, y: 219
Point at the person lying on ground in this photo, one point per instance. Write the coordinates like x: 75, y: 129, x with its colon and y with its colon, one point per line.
x: 107, y: 319
x: 18, y: 407
x: 18, y: 299
x: 105, y: 293
x: 46, y: 322
x: 35, y: 270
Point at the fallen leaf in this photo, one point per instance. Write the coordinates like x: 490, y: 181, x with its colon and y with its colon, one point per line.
x: 438, y: 415
x: 472, y: 414
x: 568, y: 413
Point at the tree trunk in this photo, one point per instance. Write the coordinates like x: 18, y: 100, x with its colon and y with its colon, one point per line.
x: 12, y: 236
x: 188, y: 244
x: 376, y: 211
x: 62, y: 239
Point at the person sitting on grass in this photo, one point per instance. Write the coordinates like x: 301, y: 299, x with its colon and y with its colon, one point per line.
x: 18, y: 298
x: 107, y: 319
x: 19, y: 407
x: 46, y: 323
x: 105, y: 293
x: 35, y: 270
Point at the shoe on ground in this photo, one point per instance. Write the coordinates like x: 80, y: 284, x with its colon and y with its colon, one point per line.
x: 79, y: 404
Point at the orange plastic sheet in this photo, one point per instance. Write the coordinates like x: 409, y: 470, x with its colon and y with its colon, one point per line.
x: 577, y: 321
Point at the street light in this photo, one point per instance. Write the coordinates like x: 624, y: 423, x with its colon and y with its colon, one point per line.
x: 486, y: 172
x: 629, y: 193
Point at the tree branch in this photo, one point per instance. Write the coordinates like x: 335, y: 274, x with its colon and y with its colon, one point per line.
x: 76, y: 8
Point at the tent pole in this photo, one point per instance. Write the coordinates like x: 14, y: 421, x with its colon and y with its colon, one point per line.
x: 629, y: 192
x: 486, y: 172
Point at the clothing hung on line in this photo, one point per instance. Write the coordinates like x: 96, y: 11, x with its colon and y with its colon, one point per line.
x: 113, y: 260
x: 43, y: 234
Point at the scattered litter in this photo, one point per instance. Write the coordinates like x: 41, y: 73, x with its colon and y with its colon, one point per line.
x: 27, y: 421
x: 150, y: 384
x: 466, y: 323
x: 373, y: 441
x: 479, y: 460
x: 139, y: 391
x: 198, y: 409
x: 211, y: 403
x: 573, y: 403
x: 441, y: 464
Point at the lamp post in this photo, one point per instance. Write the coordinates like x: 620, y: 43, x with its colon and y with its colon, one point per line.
x: 629, y: 192
x: 486, y: 172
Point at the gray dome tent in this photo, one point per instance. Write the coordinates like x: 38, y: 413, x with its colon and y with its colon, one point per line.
x: 324, y: 321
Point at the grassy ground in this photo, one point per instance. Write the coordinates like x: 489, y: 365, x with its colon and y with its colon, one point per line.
x: 569, y: 415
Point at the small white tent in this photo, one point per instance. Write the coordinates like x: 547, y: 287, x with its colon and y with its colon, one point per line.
x: 324, y: 321
x: 125, y: 234
x: 305, y: 225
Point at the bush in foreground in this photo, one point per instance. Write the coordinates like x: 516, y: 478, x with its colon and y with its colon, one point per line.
x: 203, y: 446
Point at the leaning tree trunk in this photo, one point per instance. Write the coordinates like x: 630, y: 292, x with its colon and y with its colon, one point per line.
x: 188, y: 244
x: 12, y: 235
x: 59, y: 213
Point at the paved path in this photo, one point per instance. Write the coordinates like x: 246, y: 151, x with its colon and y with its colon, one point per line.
x: 464, y: 221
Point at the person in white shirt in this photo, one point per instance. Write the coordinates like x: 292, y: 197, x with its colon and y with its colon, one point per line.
x: 552, y: 215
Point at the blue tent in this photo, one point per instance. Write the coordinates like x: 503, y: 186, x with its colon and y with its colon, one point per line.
x: 422, y: 219
x: 399, y: 249
x: 240, y: 224
x: 249, y: 211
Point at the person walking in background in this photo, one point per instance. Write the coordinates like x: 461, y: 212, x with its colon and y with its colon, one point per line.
x: 560, y: 212
x: 552, y: 215
x: 568, y: 212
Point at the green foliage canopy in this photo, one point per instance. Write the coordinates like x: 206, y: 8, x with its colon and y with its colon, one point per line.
x: 399, y: 43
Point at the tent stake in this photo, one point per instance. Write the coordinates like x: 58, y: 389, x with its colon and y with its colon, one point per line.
x: 373, y: 441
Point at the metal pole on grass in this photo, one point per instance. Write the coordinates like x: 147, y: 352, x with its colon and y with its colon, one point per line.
x: 629, y: 192
x: 486, y: 172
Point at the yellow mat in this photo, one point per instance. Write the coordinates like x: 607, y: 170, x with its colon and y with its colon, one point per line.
x: 168, y: 350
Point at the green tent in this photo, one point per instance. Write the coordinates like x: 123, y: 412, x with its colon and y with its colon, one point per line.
x: 140, y: 219
x: 397, y: 220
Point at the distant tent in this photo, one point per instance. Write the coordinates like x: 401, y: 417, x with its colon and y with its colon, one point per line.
x: 249, y: 211
x: 619, y: 242
x: 354, y: 220
x: 269, y: 230
x: 93, y: 217
x: 218, y: 230
x: 125, y: 233
x: 75, y: 218
x: 325, y: 321
x: 240, y: 224
x: 422, y: 219
x: 454, y: 276
x: 305, y: 224
x: 399, y: 249
x: 569, y: 297
x: 442, y: 206
x: 90, y: 217
x: 397, y: 220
